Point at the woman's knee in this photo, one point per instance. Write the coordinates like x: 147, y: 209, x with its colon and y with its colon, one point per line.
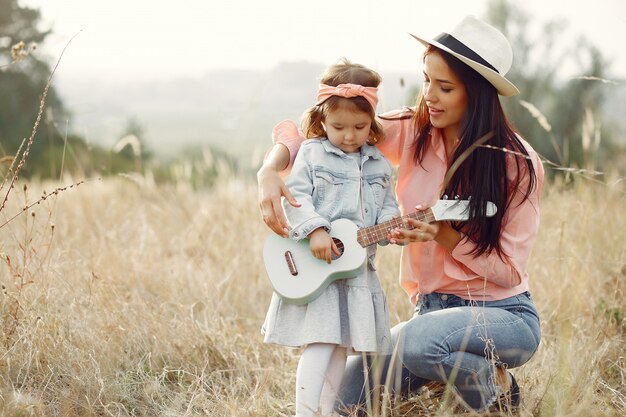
x: 518, y: 355
x: 419, y: 343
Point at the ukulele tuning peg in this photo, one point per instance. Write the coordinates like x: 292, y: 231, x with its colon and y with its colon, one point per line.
x: 457, y: 197
x: 444, y: 197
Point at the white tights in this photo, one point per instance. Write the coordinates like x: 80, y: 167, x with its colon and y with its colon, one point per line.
x: 318, y: 377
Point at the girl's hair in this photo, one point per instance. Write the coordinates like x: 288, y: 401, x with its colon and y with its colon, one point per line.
x: 344, y: 72
x: 483, y: 174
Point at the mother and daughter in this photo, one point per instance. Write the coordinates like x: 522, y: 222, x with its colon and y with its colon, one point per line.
x: 474, y: 317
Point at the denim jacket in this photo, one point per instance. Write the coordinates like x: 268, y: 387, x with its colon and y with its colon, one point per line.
x: 331, y: 185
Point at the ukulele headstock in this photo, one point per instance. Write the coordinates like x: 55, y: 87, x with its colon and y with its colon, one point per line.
x: 458, y: 210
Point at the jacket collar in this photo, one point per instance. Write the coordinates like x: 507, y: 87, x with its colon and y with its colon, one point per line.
x: 367, y: 151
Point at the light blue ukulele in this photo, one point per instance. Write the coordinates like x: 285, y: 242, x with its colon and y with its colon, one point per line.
x: 298, y: 277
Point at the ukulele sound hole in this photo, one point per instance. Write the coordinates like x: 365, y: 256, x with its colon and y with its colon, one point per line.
x: 339, y: 244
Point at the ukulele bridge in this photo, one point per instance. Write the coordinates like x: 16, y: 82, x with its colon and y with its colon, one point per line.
x: 290, y: 263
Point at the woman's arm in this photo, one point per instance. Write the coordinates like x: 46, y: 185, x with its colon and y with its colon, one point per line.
x: 519, y: 231
x: 398, y: 129
x: 271, y: 188
x: 518, y: 235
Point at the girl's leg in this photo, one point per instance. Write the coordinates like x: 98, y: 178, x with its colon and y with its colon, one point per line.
x: 334, y: 374
x: 464, y: 345
x: 310, y: 377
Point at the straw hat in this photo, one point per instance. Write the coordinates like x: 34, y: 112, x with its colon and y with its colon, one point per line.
x: 482, y: 47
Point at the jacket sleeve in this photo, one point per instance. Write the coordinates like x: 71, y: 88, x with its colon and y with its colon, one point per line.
x: 389, y: 209
x: 304, y: 219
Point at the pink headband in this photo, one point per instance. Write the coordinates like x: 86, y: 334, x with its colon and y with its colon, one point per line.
x: 347, y: 91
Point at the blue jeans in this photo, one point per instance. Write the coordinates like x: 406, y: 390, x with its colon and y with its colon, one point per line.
x: 450, y: 340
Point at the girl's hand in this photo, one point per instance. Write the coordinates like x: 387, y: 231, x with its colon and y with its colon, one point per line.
x: 271, y: 189
x: 322, y: 244
x: 415, y: 231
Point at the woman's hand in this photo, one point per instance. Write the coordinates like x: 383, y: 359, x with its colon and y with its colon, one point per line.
x: 321, y: 245
x: 415, y: 230
x: 271, y: 188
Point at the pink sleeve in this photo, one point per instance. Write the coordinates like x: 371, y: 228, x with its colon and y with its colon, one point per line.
x: 288, y: 134
x: 519, y: 231
x: 395, y: 125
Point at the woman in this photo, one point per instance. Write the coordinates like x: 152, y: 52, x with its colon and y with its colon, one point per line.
x: 474, y: 316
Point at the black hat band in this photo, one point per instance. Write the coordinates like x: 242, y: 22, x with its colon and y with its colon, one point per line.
x: 459, y: 47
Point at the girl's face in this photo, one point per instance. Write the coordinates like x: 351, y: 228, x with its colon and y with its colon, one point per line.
x: 445, y: 95
x: 347, y: 129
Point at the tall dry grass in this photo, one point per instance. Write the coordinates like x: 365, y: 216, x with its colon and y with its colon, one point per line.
x: 123, y: 299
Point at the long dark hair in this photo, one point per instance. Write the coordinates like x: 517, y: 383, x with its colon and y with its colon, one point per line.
x: 483, y: 174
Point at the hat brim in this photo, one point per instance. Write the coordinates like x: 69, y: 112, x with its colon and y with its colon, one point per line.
x: 502, y: 85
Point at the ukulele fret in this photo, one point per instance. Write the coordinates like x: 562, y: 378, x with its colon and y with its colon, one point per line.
x: 369, y: 235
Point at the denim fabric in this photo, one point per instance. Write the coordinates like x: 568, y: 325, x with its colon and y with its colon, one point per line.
x: 332, y: 185
x: 450, y: 339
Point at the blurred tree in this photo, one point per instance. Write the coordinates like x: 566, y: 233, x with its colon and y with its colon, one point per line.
x: 23, y: 77
x: 553, y: 113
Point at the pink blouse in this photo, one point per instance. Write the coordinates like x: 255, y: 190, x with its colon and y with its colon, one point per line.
x: 428, y: 267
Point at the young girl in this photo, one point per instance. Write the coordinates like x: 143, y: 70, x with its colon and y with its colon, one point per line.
x: 338, y: 174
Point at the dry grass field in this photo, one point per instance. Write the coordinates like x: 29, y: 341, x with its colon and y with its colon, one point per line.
x: 124, y: 299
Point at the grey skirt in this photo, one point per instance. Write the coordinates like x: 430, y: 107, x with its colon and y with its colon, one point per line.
x: 351, y: 313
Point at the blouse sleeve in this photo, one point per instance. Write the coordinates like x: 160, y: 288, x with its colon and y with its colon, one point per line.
x: 288, y: 134
x: 396, y: 125
x: 520, y: 227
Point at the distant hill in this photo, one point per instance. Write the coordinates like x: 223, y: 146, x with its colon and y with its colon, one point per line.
x: 233, y: 108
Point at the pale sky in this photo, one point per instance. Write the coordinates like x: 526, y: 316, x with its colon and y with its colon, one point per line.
x: 150, y: 39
